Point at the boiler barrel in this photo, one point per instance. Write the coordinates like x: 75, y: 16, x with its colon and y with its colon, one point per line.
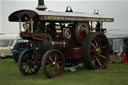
x: 59, y: 45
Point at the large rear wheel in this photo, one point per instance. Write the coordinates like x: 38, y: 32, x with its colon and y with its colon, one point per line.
x: 53, y: 63
x: 95, y: 51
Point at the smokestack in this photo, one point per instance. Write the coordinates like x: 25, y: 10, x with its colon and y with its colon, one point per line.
x: 41, y: 5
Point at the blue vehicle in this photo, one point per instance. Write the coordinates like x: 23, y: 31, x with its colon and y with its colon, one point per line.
x: 20, y: 46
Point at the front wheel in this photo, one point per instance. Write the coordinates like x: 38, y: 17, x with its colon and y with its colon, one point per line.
x: 95, y: 51
x: 27, y: 63
x: 53, y: 63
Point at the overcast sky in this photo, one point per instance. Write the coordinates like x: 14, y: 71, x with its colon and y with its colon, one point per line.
x: 118, y: 9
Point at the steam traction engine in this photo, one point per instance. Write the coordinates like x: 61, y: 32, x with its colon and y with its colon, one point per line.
x: 61, y: 39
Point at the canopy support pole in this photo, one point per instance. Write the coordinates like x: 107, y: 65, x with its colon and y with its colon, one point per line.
x: 20, y: 25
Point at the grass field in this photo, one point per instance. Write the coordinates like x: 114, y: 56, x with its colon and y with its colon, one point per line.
x: 115, y: 74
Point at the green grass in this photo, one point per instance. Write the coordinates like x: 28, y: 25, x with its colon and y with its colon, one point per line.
x: 115, y: 74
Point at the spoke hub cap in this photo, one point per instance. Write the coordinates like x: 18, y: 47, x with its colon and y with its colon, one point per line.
x: 54, y: 63
x: 98, y: 51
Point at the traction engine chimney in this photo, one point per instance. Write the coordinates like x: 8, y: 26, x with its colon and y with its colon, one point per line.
x: 41, y: 5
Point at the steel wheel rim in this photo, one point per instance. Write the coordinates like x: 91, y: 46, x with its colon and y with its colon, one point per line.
x: 26, y: 63
x: 54, y: 64
x: 99, y: 51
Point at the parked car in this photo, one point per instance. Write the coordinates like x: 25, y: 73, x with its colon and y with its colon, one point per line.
x: 20, y: 46
x: 7, y: 42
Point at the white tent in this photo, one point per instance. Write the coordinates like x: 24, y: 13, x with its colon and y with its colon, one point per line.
x: 110, y: 35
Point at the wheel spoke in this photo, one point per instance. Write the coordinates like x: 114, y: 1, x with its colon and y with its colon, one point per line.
x: 102, y: 56
x: 33, y: 70
x: 98, y: 61
x: 57, y: 67
x: 50, y: 69
x: 103, y: 47
x: 99, y: 41
x: 53, y: 71
x: 35, y: 66
x: 48, y: 65
x: 50, y: 58
x: 30, y: 69
x: 96, y: 43
x: 92, y: 44
x: 58, y: 62
x: 55, y: 57
x: 93, y: 60
x: 25, y: 67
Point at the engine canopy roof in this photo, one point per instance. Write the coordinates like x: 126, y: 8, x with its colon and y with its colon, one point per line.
x: 57, y: 16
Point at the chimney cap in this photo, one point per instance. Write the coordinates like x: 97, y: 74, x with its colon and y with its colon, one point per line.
x: 41, y: 7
